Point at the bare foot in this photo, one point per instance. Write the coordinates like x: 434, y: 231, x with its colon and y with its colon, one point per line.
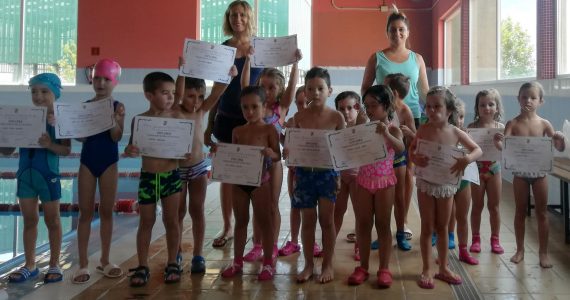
x: 306, y: 274
x: 518, y: 257
x: 545, y: 260
x: 327, y: 275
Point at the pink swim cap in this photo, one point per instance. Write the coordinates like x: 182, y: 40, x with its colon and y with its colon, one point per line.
x: 107, y: 68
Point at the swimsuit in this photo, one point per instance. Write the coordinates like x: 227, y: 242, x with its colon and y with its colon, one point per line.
x: 463, y: 184
x: 488, y: 169
x: 38, y: 172
x: 195, y: 171
x: 436, y: 190
x: 348, y: 176
x: 265, y: 176
x: 530, y: 177
x: 312, y: 184
x: 99, y: 151
x: 378, y: 175
x: 400, y: 159
x: 156, y: 186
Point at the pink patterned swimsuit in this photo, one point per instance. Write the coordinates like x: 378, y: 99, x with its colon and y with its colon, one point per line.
x: 378, y: 175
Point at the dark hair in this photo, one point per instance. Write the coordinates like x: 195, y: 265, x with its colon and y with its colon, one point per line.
x: 152, y: 80
x: 254, y: 90
x: 274, y: 73
x: 395, y: 16
x: 318, y: 72
x: 383, y: 95
x: 493, y: 94
x: 194, y: 83
x: 449, y: 100
x: 399, y: 83
x: 344, y: 95
x: 533, y: 84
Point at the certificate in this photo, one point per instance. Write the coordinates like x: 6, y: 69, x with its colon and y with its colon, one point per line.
x: 78, y: 120
x: 484, y: 138
x: 527, y: 154
x: 22, y: 126
x: 356, y: 146
x: 471, y: 173
x: 163, y: 137
x: 441, y: 158
x: 238, y: 164
x: 307, y: 148
x: 274, y: 52
x: 208, y: 61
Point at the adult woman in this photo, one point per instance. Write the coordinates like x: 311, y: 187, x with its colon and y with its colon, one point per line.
x: 239, y: 23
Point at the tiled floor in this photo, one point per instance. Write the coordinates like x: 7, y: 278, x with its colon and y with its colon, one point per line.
x: 494, y: 278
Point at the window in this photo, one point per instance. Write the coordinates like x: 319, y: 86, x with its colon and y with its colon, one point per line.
x: 563, y: 39
x: 42, y: 39
x: 503, y: 39
x: 452, y: 49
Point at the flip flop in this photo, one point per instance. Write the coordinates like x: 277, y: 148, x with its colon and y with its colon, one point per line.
x: 425, y: 283
x: 221, y: 241
x: 24, y: 274
x: 80, y: 273
x: 448, y: 279
x: 53, y: 271
x: 108, y: 270
x: 351, y: 237
x: 408, y: 233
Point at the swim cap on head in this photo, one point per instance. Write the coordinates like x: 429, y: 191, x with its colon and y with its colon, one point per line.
x: 50, y: 80
x: 107, y: 68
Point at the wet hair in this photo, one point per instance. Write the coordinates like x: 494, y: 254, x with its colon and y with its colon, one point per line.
x: 194, y: 83
x: 449, y: 100
x: 254, y: 90
x: 277, y: 75
x: 399, y: 83
x: 395, y: 16
x: 299, y: 90
x: 152, y: 81
x: 493, y: 94
x: 383, y: 95
x: 531, y: 85
x: 459, y: 105
x: 250, y: 27
x: 318, y: 72
x: 345, y: 95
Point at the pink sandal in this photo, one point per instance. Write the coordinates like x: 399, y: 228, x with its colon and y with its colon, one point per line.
x: 384, y: 278
x: 359, y: 276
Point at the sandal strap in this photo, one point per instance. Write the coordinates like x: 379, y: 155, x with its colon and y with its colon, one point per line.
x: 54, y: 270
x: 140, y: 272
x: 172, y: 268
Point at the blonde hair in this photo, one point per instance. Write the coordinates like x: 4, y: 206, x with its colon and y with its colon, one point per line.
x: 493, y: 94
x: 250, y: 27
x: 277, y: 75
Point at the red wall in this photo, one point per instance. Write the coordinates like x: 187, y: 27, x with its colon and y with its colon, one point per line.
x: 138, y: 34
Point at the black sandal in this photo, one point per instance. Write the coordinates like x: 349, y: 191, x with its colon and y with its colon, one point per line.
x: 172, y: 269
x: 140, y: 272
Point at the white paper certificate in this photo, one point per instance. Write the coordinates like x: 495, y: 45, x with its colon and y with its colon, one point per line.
x: 274, y: 52
x: 356, y: 146
x: 78, y: 120
x: 208, y: 61
x: 22, y: 126
x: 441, y: 158
x: 527, y: 154
x: 484, y: 138
x: 238, y: 164
x: 471, y: 173
x: 163, y: 137
x: 307, y: 148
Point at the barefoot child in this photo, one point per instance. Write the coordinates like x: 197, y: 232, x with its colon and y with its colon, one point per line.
x: 317, y: 187
x: 38, y: 178
x: 436, y: 200
x: 255, y: 133
x: 376, y: 187
x: 529, y: 123
x: 159, y: 180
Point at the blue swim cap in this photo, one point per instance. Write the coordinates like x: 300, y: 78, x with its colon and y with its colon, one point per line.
x: 50, y: 80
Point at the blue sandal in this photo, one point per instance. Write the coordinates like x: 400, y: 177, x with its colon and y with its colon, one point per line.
x: 53, y: 271
x: 198, y: 265
x: 23, y: 274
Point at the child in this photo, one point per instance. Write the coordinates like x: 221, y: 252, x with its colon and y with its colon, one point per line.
x: 376, y: 187
x: 400, y: 86
x: 38, y: 177
x: 159, y: 179
x: 279, y: 98
x: 194, y: 172
x: 99, y: 157
x: 529, y: 123
x: 488, y: 114
x: 435, y: 201
x: 255, y: 133
x: 348, y: 103
x: 317, y: 186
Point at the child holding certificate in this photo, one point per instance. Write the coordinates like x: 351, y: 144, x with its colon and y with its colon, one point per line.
x: 255, y: 133
x: 436, y: 200
x: 159, y: 180
x: 276, y: 106
x: 488, y: 114
x: 404, y: 119
x: 194, y: 171
x: 529, y: 123
x: 376, y: 187
x: 99, y: 157
x: 38, y: 177
x: 317, y: 187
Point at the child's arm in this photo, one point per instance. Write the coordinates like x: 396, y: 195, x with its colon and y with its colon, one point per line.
x: 117, y: 131
x: 557, y: 136
x: 408, y: 130
x: 289, y: 93
x: 217, y: 90
x: 474, y: 152
x: 132, y: 150
x: 210, y: 125
x: 418, y: 159
x: 272, y: 151
x: 246, y: 70
x: 393, y: 135
x: 62, y: 149
x: 180, y: 82
x: 499, y: 137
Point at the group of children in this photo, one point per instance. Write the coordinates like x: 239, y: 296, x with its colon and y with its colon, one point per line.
x: 316, y: 194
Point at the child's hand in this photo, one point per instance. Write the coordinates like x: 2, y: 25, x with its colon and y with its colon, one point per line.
x: 181, y: 62
x: 250, y: 51
x: 298, y: 55
x: 132, y: 151
x: 558, y: 140
x: 381, y: 129
x: 44, y: 140
x: 188, y: 156
x: 120, y: 113
x: 407, y: 131
x: 233, y: 71
x: 213, y: 147
x: 459, y: 165
x: 268, y: 152
x: 285, y: 153
x: 51, y: 119
x: 498, y: 140
x: 420, y: 160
